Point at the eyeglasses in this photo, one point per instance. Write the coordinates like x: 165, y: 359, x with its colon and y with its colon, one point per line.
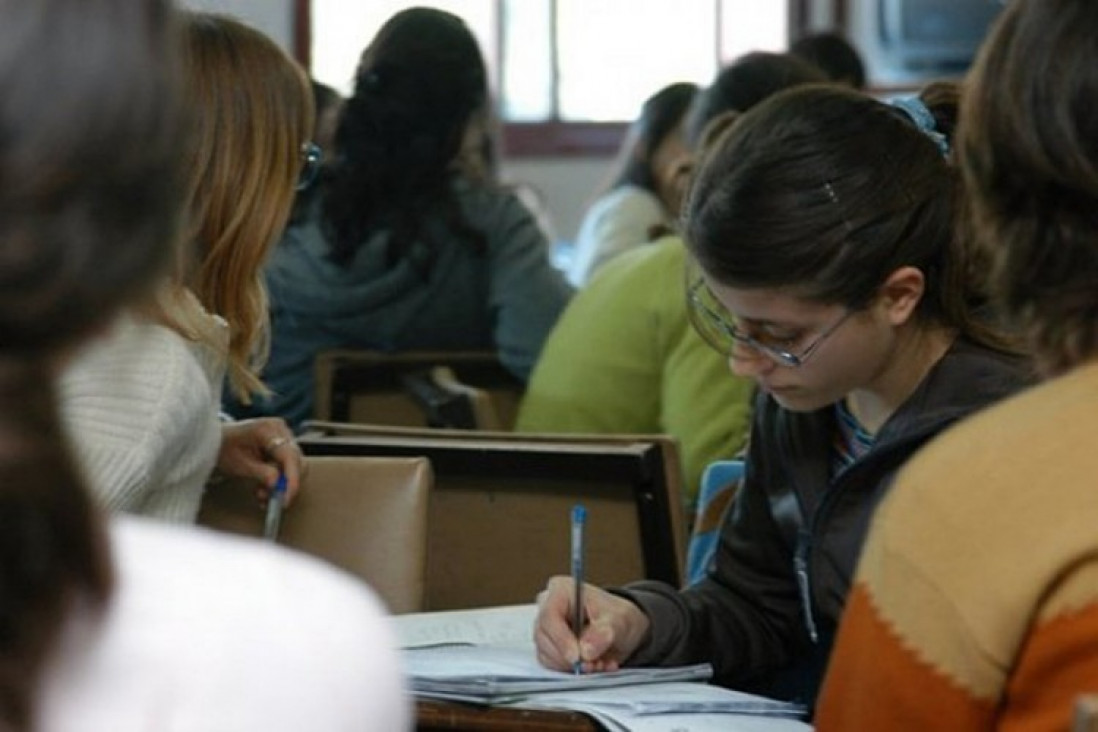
x: 719, y: 331
x: 310, y: 164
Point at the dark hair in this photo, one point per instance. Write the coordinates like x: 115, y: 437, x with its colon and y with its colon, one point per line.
x: 828, y: 191
x: 834, y: 55
x: 89, y: 202
x: 1028, y: 150
x: 745, y: 82
x: 660, y: 115
x: 419, y: 83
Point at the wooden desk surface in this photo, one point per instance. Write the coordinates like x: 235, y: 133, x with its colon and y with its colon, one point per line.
x: 439, y: 715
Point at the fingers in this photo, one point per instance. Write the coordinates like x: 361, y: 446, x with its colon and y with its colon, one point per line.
x: 260, y: 449
x: 556, y: 644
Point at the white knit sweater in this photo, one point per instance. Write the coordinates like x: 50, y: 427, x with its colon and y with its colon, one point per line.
x: 141, y: 409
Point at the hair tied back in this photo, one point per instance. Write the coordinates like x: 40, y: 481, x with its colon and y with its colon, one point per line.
x: 914, y: 108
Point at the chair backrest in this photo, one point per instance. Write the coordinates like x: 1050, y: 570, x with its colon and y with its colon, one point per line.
x: 460, y: 389
x: 720, y: 482
x: 498, y: 524
x: 366, y: 515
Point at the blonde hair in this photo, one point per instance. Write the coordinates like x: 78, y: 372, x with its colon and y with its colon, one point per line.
x: 251, y: 110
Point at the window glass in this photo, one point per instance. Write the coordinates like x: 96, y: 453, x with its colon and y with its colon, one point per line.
x: 610, y: 55
x: 342, y: 29
x: 527, y: 83
x: 614, y: 53
x: 746, y: 26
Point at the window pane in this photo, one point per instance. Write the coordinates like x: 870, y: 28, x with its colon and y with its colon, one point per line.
x: 341, y: 30
x: 613, y: 54
x: 527, y: 82
x: 753, y: 25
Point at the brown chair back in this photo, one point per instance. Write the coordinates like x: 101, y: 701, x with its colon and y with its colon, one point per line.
x: 498, y: 524
x: 366, y: 515
x: 461, y: 389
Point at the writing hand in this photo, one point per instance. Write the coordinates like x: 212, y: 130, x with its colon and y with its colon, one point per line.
x: 615, y: 628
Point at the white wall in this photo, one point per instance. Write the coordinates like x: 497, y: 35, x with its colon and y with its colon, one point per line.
x: 566, y: 186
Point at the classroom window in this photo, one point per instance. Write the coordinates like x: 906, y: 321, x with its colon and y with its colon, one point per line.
x: 565, y: 62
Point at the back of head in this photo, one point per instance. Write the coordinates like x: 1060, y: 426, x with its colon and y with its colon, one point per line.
x: 418, y: 84
x: 834, y: 55
x: 1028, y: 149
x: 745, y: 82
x: 252, y: 111
x: 89, y: 192
x: 825, y: 191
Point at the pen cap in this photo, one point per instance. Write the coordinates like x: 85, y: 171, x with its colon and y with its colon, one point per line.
x: 579, y: 514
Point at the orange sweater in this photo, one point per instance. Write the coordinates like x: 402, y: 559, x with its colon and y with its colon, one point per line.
x: 976, y: 600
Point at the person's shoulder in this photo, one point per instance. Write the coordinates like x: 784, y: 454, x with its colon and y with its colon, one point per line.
x: 141, y: 368
x: 250, y: 635
x: 632, y: 199
x: 262, y: 570
x: 662, y: 261
x: 1034, y: 430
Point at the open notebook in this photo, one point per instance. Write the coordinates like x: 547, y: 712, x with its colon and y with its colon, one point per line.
x: 487, y: 657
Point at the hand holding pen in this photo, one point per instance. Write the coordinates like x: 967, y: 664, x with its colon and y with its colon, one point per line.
x: 581, y: 628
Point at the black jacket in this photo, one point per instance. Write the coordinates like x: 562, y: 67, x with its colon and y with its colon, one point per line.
x: 766, y: 615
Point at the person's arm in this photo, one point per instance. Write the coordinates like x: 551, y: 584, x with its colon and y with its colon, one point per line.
x: 745, y: 617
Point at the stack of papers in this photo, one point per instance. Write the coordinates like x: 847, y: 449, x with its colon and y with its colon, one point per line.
x: 498, y: 674
x: 487, y: 657
x: 677, y: 707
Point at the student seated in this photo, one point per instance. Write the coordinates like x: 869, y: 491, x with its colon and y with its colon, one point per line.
x: 132, y: 624
x: 975, y: 605
x: 645, y: 194
x: 836, y: 284
x: 410, y: 245
x: 142, y: 403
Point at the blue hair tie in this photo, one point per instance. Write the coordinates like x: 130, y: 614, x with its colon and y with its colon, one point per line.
x: 914, y: 108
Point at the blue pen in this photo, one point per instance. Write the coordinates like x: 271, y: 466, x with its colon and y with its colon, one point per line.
x: 579, y: 520
x: 274, y: 508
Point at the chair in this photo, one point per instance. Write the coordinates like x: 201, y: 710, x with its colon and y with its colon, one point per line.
x: 461, y: 389
x: 498, y: 523
x: 367, y: 516
x: 719, y: 482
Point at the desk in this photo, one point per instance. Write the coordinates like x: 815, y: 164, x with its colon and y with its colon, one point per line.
x: 436, y: 716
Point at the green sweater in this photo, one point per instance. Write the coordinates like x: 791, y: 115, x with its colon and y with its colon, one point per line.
x: 623, y: 358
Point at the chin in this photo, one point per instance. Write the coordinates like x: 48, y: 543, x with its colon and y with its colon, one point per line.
x: 797, y: 400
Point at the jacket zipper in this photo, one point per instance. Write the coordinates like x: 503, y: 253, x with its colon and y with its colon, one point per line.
x: 800, y: 566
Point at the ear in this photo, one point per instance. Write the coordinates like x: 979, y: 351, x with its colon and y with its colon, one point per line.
x: 901, y: 293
